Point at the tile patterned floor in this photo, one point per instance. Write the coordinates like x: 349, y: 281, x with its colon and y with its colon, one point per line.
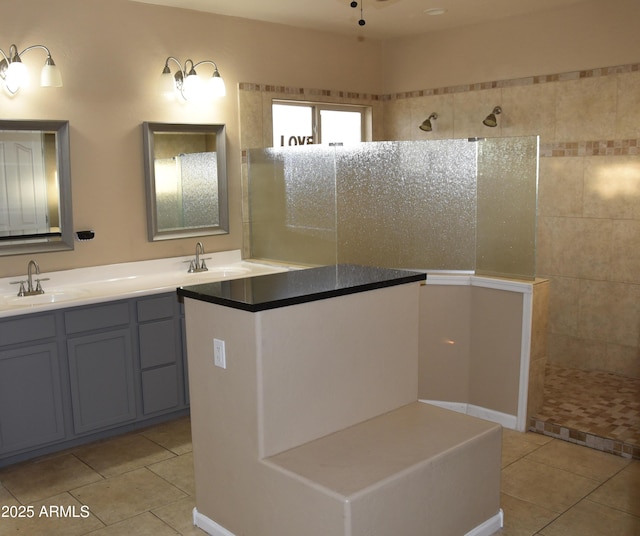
x: 597, y: 409
x: 142, y: 484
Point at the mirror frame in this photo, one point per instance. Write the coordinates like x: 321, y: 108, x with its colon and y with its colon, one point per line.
x: 149, y: 130
x: 63, y: 157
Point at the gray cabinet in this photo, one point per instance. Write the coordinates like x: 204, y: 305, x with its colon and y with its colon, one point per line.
x: 160, y: 347
x: 31, y: 411
x: 31, y: 404
x: 101, y: 368
x: 80, y: 373
x: 102, y: 382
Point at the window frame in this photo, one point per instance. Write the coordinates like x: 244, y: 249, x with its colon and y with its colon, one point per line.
x: 316, y: 122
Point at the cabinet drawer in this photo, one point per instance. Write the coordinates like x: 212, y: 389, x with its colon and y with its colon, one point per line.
x: 160, y: 389
x: 156, y: 308
x: 26, y: 329
x: 158, y: 344
x: 99, y: 317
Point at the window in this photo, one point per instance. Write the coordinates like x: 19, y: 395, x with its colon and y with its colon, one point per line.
x: 306, y: 123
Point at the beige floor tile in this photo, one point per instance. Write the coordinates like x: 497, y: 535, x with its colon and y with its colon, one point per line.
x: 127, y: 495
x: 538, y: 439
x: 516, y: 445
x: 577, y: 459
x: 592, y: 519
x: 173, y: 435
x: 178, y: 471
x: 61, y: 515
x: 545, y: 486
x: 142, y: 525
x: 522, y: 518
x: 622, y: 491
x: 180, y: 516
x: 122, y: 454
x: 41, y: 479
x: 6, y: 498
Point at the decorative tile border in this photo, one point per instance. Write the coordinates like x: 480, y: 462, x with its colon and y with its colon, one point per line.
x: 526, y: 81
x: 557, y: 431
x: 514, y: 82
x: 306, y: 92
x: 591, y: 148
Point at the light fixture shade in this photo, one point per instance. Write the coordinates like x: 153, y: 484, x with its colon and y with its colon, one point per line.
x: 50, y: 75
x: 192, y: 87
x: 216, y: 86
x: 167, y: 84
x: 16, y: 76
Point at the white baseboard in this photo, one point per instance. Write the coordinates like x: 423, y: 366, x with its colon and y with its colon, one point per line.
x: 208, y: 525
x: 490, y: 526
x: 504, y: 419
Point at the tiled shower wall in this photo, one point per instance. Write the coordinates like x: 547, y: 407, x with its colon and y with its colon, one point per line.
x: 588, y: 241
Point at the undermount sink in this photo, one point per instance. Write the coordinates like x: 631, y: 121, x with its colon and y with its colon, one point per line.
x: 40, y: 299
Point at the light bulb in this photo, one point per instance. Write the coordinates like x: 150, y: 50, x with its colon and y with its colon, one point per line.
x: 16, y: 76
x: 192, y: 86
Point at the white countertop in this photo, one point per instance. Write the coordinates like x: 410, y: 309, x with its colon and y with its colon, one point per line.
x: 96, y: 284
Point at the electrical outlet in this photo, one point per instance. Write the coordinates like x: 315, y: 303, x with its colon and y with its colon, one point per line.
x: 219, y: 355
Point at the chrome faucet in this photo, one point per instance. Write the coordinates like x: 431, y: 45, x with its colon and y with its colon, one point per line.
x: 32, y: 265
x: 198, y: 264
x: 30, y: 290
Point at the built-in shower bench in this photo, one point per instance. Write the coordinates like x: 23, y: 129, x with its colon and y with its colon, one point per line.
x: 418, y: 470
x: 314, y: 428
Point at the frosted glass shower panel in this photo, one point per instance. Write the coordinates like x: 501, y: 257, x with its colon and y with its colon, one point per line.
x: 451, y: 205
x: 292, y: 204
x: 407, y: 204
x: 507, y: 200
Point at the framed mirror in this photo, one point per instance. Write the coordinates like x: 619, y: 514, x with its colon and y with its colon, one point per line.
x: 35, y: 187
x: 186, y: 177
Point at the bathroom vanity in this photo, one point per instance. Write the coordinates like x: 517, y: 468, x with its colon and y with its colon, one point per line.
x: 82, y: 371
x: 99, y: 353
x: 305, y: 418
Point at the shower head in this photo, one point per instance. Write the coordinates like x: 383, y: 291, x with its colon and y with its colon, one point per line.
x: 490, y: 120
x: 426, y: 124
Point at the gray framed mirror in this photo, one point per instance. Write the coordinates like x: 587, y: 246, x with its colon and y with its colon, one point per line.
x: 35, y: 187
x: 186, y: 178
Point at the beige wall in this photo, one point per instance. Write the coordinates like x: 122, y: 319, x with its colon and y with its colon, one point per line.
x: 111, y: 54
x: 584, y: 36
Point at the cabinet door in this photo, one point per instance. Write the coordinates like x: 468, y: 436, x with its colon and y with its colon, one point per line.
x: 160, y: 389
x: 30, y: 397
x: 102, y: 380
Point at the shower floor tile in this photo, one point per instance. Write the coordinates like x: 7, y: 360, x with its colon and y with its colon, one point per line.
x: 593, y: 408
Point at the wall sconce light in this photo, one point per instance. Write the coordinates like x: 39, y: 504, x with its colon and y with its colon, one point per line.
x: 186, y: 82
x: 491, y: 120
x: 14, y: 73
x: 426, y: 124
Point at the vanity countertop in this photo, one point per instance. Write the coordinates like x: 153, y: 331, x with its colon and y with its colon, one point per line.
x: 96, y: 284
x: 271, y: 291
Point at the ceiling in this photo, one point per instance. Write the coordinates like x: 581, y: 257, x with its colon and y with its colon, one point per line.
x: 385, y: 19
